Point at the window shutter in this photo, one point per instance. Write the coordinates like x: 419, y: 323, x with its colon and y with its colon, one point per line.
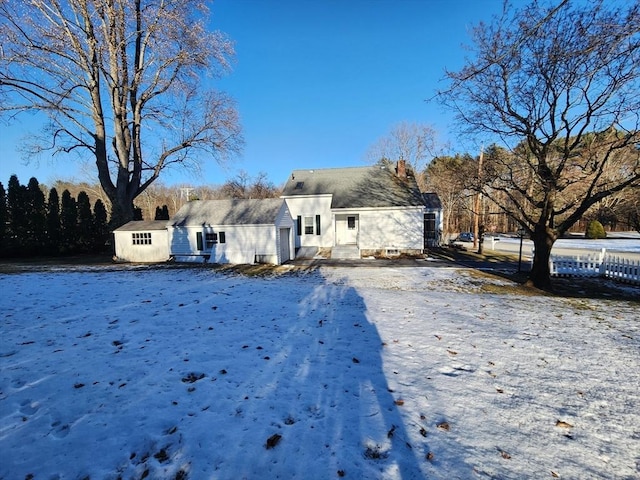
x: 199, y: 244
x: 299, y: 225
x: 317, y: 224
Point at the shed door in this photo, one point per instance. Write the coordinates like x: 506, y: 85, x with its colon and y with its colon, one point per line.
x: 285, y: 252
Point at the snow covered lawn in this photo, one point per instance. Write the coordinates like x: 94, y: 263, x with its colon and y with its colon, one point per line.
x: 394, y: 373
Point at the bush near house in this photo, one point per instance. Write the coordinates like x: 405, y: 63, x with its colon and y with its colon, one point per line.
x: 595, y: 230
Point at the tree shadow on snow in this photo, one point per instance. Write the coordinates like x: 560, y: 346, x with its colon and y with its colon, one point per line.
x: 329, y: 409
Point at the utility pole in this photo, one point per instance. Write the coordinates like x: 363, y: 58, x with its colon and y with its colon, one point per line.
x: 476, y: 206
x: 185, y: 193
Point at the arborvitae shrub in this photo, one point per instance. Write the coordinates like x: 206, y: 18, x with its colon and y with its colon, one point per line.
x: 101, y: 227
x: 162, y: 213
x: 84, y: 239
x: 4, y: 219
x: 68, y: 223
x: 54, y: 229
x: 595, y: 230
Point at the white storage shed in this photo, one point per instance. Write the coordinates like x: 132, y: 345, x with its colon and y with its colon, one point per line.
x: 142, y: 241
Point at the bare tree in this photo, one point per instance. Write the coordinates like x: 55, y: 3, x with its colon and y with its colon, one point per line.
x: 414, y: 143
x: 122, y: 80
x: 561, y: 83
x: 244, y: 186
x: 628, y: 209
x: 448, y: 177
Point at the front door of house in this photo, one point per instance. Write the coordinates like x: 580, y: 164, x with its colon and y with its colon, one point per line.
x: 347, y: 227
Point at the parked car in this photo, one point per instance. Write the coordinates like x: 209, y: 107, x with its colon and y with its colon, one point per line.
x: 465, y: 237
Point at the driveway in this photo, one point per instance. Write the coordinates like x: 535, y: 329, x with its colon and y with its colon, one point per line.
x: 444, y: 257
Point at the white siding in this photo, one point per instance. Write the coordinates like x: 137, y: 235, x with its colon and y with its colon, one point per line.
x: 244, y: 243
x: 183, y: 240
x: 391, y: 228
x: 310, y: 207
x: 126, y: 251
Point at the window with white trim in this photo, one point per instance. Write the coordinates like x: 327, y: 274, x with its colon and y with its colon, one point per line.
x: 210, y: 239
x: 141, y: 238
x: 308, y: 225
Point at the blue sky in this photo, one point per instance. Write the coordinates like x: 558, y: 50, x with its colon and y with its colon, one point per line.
x: 316, y: 83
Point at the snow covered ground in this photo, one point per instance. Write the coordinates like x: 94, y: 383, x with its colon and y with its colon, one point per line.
x: 390, y: 373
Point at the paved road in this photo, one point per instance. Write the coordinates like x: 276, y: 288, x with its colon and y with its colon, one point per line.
x: 627, y: 247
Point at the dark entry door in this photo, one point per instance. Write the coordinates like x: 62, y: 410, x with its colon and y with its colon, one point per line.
x: 430, y: 230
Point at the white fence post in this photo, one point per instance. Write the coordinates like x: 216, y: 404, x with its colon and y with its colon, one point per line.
x: 601, y: 264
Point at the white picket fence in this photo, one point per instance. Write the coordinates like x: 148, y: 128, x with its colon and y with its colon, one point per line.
x: 600, y: 264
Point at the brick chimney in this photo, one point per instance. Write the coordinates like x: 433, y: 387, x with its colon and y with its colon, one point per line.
x: 401, y: 169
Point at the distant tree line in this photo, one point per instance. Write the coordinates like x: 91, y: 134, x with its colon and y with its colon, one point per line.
x: 242, y: 185
x: 160, y: 202
x: 457, y: 179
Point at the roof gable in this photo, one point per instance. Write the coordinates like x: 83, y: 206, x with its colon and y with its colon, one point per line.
x: 234, y: 211
x: 356, y: 187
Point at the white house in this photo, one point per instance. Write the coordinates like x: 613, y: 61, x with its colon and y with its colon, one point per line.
x: 232, y: 231
x: 352, y: 212
x: 362, y: 211
x: 142, y: 241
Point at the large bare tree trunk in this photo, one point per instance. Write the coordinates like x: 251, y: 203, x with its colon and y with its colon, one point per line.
x: 122, y: 81
x: 543, y: 240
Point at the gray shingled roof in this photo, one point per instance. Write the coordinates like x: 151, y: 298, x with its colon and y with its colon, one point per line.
x: 142, y: 225
x: 432, y: 200
x: 356, y: 187
x: 228, y: 212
